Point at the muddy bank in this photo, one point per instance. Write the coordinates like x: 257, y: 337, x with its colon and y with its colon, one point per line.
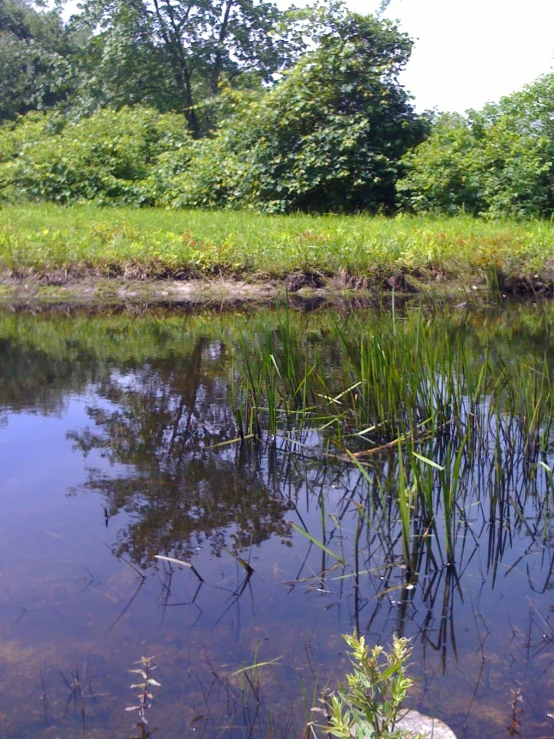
x: 299, y: 288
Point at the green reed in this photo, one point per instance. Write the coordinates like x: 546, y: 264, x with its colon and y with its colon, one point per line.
x: 375, y: 380
x: 468, y: 392
x: 421, y: 411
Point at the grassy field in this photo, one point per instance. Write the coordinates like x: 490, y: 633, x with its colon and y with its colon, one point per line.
x: 84, y: 241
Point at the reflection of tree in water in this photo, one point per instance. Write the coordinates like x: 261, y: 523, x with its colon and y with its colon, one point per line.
x: 38, y: 381
x: 160, y: 421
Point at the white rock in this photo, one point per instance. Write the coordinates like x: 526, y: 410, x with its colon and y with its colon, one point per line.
x: 416, y: 723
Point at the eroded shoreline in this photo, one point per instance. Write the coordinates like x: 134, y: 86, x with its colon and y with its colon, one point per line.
x: 298, y: 289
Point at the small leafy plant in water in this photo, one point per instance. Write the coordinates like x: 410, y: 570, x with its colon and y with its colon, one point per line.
x: 144, y: 695
x: 368, y: 706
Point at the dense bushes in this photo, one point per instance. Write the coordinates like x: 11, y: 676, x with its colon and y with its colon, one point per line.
x: 112, y: 157
x: 237, y: 104
x: 337, y: 133
x: 328, y: 137
x: 497, y: 161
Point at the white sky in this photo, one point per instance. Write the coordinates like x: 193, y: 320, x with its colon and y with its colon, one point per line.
x: 468, y: 52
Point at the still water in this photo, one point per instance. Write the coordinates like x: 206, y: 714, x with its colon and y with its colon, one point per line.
x: 112, y: 444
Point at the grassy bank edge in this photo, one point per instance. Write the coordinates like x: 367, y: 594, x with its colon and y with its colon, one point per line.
x: 74, y: 249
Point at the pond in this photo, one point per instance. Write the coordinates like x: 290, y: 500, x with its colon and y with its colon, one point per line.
x: 120, y: 440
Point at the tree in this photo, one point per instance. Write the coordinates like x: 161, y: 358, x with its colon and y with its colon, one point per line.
x: 121, y: 66
x: 184, y: 49
x: 35, y: 71
x: 328, y: 137
x: 497, y: 161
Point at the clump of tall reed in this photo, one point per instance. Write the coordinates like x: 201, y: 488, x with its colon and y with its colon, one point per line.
x: 434, y: 422
x: 370, y: 382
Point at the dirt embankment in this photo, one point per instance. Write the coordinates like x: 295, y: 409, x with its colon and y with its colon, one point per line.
x: 302, y: 288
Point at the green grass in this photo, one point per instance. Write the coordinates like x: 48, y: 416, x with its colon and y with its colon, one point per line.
x: 152, y: 243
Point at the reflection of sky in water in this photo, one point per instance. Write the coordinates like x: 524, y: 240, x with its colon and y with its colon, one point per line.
x: 69, y: 609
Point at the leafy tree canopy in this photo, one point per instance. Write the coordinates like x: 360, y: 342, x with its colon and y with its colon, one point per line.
x: 177, y: 54
x: 35, y: 70
x: 328, y: 136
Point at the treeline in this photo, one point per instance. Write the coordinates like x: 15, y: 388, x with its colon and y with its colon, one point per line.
x: 235, y: 103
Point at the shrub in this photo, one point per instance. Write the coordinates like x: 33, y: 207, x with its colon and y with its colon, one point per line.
x: 328, y: 137
x: 495, y: 162
x: 110, y: 158
x: 368, y: 706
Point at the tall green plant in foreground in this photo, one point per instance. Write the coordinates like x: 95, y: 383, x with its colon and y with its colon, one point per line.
x: 368, y: 706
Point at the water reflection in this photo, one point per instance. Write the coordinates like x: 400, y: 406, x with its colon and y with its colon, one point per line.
x: 164, y: 423
x: 141, y: 411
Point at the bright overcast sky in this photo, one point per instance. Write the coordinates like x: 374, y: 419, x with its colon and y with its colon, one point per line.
x: 468, y: 52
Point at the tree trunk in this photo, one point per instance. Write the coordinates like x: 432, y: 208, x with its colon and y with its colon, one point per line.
x: 216, y: 73
x: 173, y: 43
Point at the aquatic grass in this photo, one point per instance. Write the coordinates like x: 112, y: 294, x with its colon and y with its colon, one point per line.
x: 180, y: 563
x: 399, y: 384
x: 325, y: 447
x: 420, y: 416
x: 450, y: 480
x: 353, y: 397
x: 405, y: 508
x: 318, y: 543
x: 423, y: 471
x: 405, y: 380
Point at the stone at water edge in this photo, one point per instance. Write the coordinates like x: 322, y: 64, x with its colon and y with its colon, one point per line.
x: 417, y: 724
